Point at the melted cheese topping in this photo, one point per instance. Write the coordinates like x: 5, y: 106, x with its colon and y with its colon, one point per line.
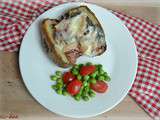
x: 72, y: 30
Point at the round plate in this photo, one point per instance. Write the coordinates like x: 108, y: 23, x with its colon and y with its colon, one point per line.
x: 119, y: 60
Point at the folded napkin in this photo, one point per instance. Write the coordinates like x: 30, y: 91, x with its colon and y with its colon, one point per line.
x: 16, y: 16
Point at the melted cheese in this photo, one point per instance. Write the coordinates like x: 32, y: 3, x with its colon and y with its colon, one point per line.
x: 71, y: 27
x: 72, y: 30
x: 89, y: 41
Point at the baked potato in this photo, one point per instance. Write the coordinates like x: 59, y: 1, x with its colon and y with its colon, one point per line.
x: 78, y: 32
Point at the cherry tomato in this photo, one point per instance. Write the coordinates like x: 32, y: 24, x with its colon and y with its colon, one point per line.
x: 99, y: 86
x: 86, y: 70
x: 68, y: 77
x: 74, y: 87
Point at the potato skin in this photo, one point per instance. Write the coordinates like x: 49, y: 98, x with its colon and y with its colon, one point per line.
x: 49, y: 44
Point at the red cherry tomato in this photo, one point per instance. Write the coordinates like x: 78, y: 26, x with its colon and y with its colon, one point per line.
x: 68, y: 77
x: 86, y: 70
x: 99, y: 86
x: 74, y: 87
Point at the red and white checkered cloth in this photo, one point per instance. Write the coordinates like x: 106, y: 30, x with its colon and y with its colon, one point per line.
x: 16, y: 17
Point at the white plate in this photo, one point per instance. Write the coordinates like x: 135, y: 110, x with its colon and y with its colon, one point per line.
x: 120, y: 61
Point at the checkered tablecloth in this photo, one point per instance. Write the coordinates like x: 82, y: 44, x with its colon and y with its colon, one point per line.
x: 16, y: 16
